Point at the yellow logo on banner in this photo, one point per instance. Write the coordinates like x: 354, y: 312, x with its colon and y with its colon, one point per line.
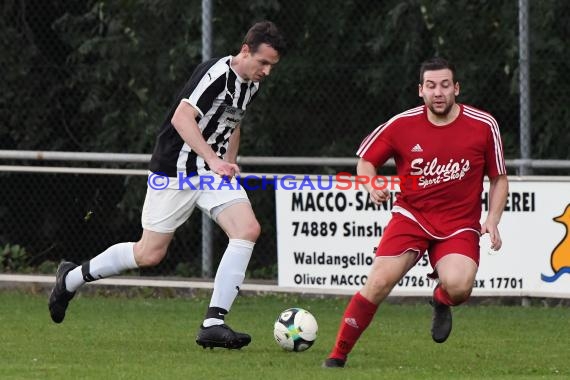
x: 560, y: 259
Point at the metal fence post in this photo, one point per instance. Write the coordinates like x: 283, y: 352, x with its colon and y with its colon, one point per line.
x: 207, y: 225
x: 524, y: 90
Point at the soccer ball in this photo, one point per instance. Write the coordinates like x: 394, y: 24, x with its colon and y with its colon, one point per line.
x: 295, y: 329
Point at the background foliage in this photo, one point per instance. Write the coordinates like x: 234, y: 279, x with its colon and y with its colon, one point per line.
x: 87, y: 75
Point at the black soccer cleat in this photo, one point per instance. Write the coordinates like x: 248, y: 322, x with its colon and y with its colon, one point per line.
x: 221, y: 336
x: 60, y: 297
x: 441, y: 322
x: 334, y: 363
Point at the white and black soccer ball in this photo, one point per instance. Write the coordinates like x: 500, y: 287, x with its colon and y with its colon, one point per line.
x: 295, y: 329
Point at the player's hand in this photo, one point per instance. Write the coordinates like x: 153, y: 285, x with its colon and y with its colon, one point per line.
x: 224, y: 169
x: 494, y: 234
x: 379, y: 196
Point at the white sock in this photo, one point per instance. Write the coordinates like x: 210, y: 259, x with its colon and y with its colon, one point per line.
x: 230, y: 276
x: 113, y: 261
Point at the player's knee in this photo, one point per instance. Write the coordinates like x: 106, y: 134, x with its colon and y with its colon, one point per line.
x: 149, y: 257
x: 459, y: 293
x: 378, y: 287
x: 250, y: 231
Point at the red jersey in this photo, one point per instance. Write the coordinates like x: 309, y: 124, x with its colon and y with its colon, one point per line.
x: 449, y: 163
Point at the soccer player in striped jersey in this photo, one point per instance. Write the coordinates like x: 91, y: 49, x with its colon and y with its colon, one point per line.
x: 447, y: 148
x: 194, y: 164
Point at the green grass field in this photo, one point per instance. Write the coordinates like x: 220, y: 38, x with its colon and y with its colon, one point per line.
x: 149, y: 338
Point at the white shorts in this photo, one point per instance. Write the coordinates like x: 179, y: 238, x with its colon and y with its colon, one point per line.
x: 167, y: 209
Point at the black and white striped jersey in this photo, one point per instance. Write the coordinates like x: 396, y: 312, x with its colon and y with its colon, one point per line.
x: 221, y: 98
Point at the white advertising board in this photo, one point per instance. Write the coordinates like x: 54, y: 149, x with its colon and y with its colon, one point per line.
x: 326, y: 239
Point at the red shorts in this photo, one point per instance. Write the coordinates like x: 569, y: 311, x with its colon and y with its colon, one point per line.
x: 403, y: 234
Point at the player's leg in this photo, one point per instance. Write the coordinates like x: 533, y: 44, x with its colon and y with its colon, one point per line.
x: 242, y: 228
x: 456, y: 263
x: 456, y: 277
x: 114, y: 260
x: 385, y: 273
x: 233, y: 213
x: 394, y: 259
x: 163, y: 211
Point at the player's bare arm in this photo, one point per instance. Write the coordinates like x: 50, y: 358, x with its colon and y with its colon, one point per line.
x: 366, y: 168
x: 184, y: 120
x: 498, y: 192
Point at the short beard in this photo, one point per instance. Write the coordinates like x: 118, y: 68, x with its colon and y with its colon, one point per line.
x: 445, y: 112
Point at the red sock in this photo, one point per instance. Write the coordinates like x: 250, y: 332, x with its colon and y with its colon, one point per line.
x: 442, y: 297
x: 356, y: 318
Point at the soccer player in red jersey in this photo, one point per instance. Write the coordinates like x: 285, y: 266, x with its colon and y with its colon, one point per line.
x: 448, y: 148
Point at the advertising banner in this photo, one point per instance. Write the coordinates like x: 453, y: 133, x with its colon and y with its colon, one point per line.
x: 327, y: 234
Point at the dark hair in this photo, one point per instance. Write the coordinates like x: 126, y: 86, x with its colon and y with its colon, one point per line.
x: 265, y: 32
x: 436, y: 63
